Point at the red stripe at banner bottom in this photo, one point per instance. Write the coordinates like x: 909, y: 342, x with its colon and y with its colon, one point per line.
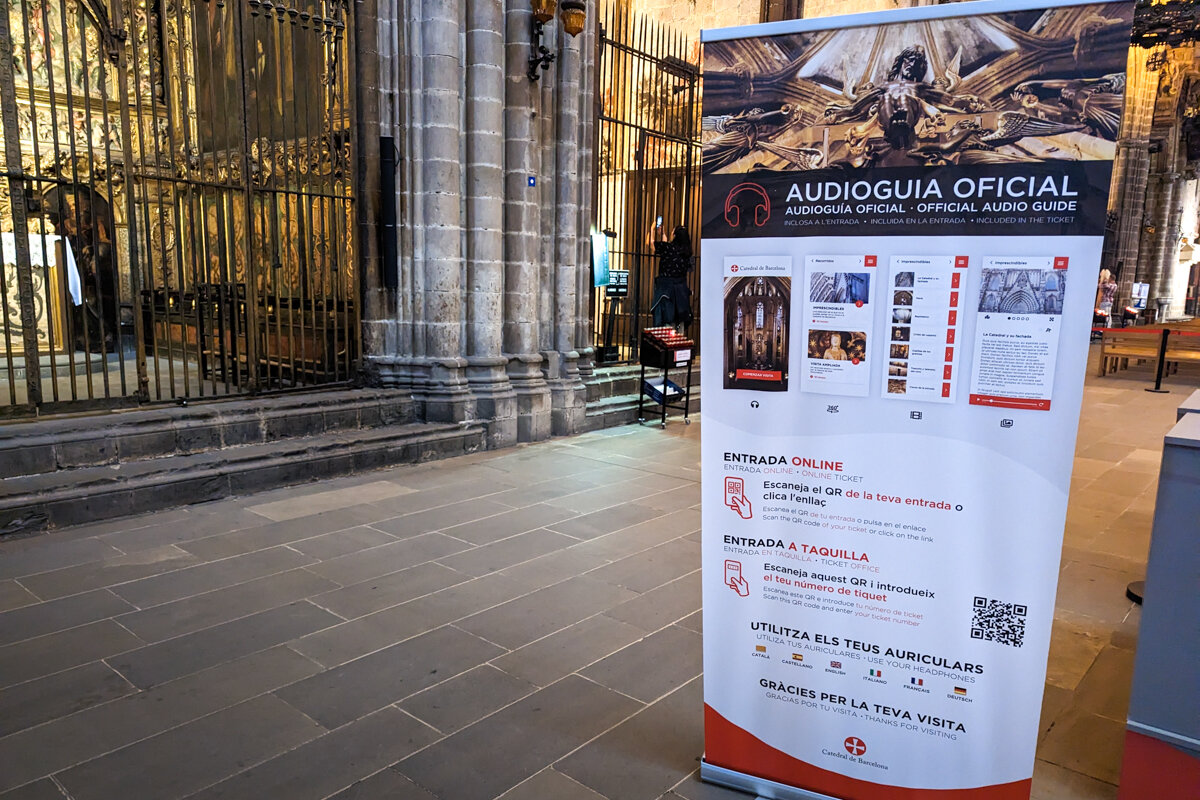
x: 726, y: 745
x: 1153, y: 768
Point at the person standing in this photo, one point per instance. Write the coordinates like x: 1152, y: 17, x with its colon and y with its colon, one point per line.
x: 672, y: 297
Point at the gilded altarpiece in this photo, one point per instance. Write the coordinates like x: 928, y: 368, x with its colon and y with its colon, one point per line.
x: 184, y: 175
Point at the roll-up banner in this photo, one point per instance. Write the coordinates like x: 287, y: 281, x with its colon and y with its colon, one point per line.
x: 903, y: 215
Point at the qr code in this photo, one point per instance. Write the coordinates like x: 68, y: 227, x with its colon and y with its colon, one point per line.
x: 997, y: 621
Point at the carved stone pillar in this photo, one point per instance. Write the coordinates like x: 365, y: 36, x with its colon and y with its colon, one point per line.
x: 1131, y: 170
x: 1166, y: 241
x: 566, y: 389
x: 444, y: 391
x: 521, y: 245
x: 586, y: 107
x: 487, y: 373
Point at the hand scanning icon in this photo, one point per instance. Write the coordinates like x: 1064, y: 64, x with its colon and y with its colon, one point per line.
x: 739, y: 585
x: 741, y: 505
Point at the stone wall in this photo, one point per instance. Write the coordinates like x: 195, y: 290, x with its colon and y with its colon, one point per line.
x: 689, y: 18
x: 829, y: 8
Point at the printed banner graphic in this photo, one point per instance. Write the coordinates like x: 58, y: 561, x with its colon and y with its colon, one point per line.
x: 903, y: 218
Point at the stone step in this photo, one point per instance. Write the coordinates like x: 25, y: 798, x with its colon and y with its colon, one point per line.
x: 612, y: 382
x: 623, y: 380
x: 623, y: 410
x: 85, y: 440
x: 36, y: 503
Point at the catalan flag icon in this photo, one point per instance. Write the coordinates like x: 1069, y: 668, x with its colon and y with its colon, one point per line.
x: 960, y: 691
x: 760, y: 648
x: 876, y: 673
x: 797, y: 657
x: 917, y: 681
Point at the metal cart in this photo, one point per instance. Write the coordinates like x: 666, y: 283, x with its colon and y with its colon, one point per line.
x: 663, y: 349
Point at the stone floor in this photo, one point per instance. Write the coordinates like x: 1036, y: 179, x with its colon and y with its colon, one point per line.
x: 523, y: 624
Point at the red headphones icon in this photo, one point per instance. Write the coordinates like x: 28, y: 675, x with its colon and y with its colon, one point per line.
x: 762, y: 211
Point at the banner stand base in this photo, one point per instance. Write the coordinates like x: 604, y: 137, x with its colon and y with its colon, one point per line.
x: 763, y: 788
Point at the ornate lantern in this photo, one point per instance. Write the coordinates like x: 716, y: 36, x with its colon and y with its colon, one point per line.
x: 543, y: 10
x: 574, y: 13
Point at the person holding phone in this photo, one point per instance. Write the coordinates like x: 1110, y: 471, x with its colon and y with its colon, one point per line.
x: 672, y: 296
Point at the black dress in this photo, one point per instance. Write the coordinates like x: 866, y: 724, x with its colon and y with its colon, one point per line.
x: 672, y: 297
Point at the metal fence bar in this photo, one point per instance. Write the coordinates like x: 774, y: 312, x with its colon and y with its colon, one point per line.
x: 196, y: 161
x: 44, y: 241
x: 20, y: 222
x: 647, y: 165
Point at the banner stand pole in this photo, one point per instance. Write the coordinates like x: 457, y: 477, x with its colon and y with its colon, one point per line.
x: 1162, y: 363
x: 762, y: 788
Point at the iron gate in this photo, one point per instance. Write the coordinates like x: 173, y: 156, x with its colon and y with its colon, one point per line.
x: 177, y: 215
x: 648, y: 167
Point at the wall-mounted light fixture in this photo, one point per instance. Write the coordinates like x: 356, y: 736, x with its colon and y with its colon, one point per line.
x: 574, y: 14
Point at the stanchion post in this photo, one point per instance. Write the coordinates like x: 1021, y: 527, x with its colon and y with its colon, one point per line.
x: 1162, y: 363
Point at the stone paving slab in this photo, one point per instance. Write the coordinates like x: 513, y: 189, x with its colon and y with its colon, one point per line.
x: 523, y: 623
x: 211, y: 575
x: 384, y: 784
x: 57, y: 615
x: 454, y: 704
x: 551, y: 783
x: 45, y: 655
x: 376, y: 594
x: 484, y: 760
x: 110, y: 572
x: 363, y: 746
x: 207, y: 610
x: 41, y: 790
x: 23, y: 557
x: 28, y: 704
x: 84, y: 736
x: 185, y: 759
x: 611, y: 766
x: 269, y: 534
x: 14, y: 595
x: 387, y: 676
x: 173, y: 658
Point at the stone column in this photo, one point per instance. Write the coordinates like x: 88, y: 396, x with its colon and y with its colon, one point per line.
x: 520, y: 232
x: 374, y: 54
x: 1165, y: 242
x: 444, y: 390
x: 586, y: 107
x: 389, y: 340
x: 1130, y: 176
x: 487, y: 373
x: 1185, y: 203
x: 547, y: 180
x: 1132, y: 169
x: 567, y: 390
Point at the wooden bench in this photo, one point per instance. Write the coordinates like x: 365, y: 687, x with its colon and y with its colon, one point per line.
x: 1183, y: 345
x: 1118, y: 345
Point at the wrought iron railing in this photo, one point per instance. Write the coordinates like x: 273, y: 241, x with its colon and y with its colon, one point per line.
x: 647, y: 171
x: 177, y: 214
